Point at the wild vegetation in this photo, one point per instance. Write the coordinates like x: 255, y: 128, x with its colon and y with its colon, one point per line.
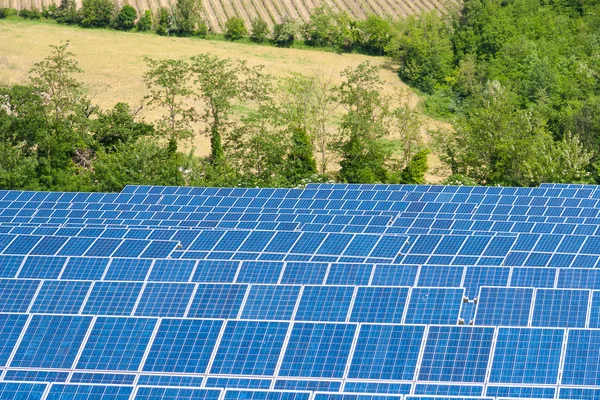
x: 52, y: 137
x: 517, y: 79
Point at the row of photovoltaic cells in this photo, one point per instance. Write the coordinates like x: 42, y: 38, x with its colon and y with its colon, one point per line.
x: 334, y: 292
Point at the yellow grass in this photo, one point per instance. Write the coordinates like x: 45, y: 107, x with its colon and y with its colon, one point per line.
x: 113, y: 61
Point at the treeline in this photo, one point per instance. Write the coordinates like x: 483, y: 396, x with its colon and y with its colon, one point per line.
x: 263, y: 131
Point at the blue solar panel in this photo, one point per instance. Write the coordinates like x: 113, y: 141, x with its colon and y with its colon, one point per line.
x: 128, y: 269
x: 60, y: 297
x: 21, y: 391
x: 581, y: 365
x: 159, y: 393
x: 560, y: 308
x: 116, y: 344
x: 51, y: 341
x: 217, y: 301
x: 42, y: 267
x: 259, y: 272
x: 249, y: 348
x: 183, y: 346
x: 525, y: 355
x: 240, y: 383
x: 89, y: 392
x: 504, y: 306
x: 271, y: 302
x: 17, y: 294
x: 386, y: 352
x: 434, y: 306
x: 379, y: 304
x: 349, y: 274
x: 165, y: 299
x: 112, y: 298
x: 329, y: 346
x: 172, y: 270
x: 85, y: 268
x: 325, y: 303
x: 456, y: 354
x: 215, y: 271
x: 11, y: 326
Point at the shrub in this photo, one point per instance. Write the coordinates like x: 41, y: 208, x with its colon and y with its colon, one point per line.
x: 235, y: 28
x: 30, y: 14
x: 8, y: 12
x: 97, y: 13
x: 164, y: 21
x: 285, y: 33
x: 145, y: 22
x: 260, y: 30
x: 66, y: 13
x: 125, y: 19
x: 49, y: 12
x: 201, y: 30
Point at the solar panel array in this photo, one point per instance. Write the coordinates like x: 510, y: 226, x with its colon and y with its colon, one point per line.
x: 333, y: 292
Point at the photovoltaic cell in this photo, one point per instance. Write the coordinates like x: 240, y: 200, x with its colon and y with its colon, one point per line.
x: 249, y: 348
x: 85, y: 268
x: 112, y: 298
x: 560, y: 308
x: 329, y: 346
x: 9, y: 266
x: 215, y: 271
x: 325, y: 303
x: 379, y: 304
x: 128, y: 269
x: 60, y: 297
x: 89, y: 392
x: 165, y: 299
x: 304, y: 273
x: 11, y: 326
x: 271, y: 302
x: 504, y: 306
x: 434, y: 306
x: 172, y: 270
x: 116, y: 343
x: 456, y: 354
x: 183, y: 346
x: 349, y: 274
x: 51, y: 341
x: 17, y: 294
x: 217, y: 301
x: 386, y: 352
x: 161, y: 393
x: 259, y: 272
x: 42, y: 267
x: 21, y: 391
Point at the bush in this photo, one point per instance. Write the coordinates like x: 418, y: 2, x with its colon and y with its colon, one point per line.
x: 201, y: 30
x: 235, y: 28
x: 285, y: 33
x: 260, y: 30
x: 49, y: 12
x: 30, y: 14
x: 8, y: 12
x: 145, y: 22
x: 164, y: 21
x: 97, y: 13
x: 126, y: 18
x: 66, y: 13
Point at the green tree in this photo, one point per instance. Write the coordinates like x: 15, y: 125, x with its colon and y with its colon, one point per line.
x: 66, y: 13
x: 235, y: 29
x: 188, y: 15
x: 364, y: 149
x: 17, y: 169
x: 119, y: 126
x: 260, y: 30
x: 125, y: 19
x: 285, y: 33
x: 166, y: 22
x: 169, y: 83
x: 97, y: 13
x: 375, y: 33
x: 423, y: 49
x: 414, y: 172
x: 145, y: 22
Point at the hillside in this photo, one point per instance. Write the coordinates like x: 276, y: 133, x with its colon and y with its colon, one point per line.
x: 216, y: 12
x: 113, y: 63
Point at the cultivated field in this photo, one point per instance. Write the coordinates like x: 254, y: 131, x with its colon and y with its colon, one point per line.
x: 216, y: 12
x: 113, y: 61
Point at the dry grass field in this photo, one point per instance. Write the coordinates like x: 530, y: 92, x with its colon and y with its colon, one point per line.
x: 216, y: 12
x: 113, y: 61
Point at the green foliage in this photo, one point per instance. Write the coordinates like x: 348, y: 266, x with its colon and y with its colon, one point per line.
x: 329, y: 29
x: 143, y: 161
x: 235, y: 28
x: 187, y: 17
x: 260, y: 30
x: 165, y: 22
x: 300, y: 162
x: 285, y: 33
x: 423, y: 49
x: 375, y: 33
x: 118, y: 127
x: 414, y: 172
x: 17, y: 169
x: 30, y: 14
x: 66, y: 13
x: 201, y: 30
x: 50, y: 11
x: 125, y: 19
x: 8, y: 12
x: 169, y: 84
x: 97, y: 13
x: 145, y: 22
